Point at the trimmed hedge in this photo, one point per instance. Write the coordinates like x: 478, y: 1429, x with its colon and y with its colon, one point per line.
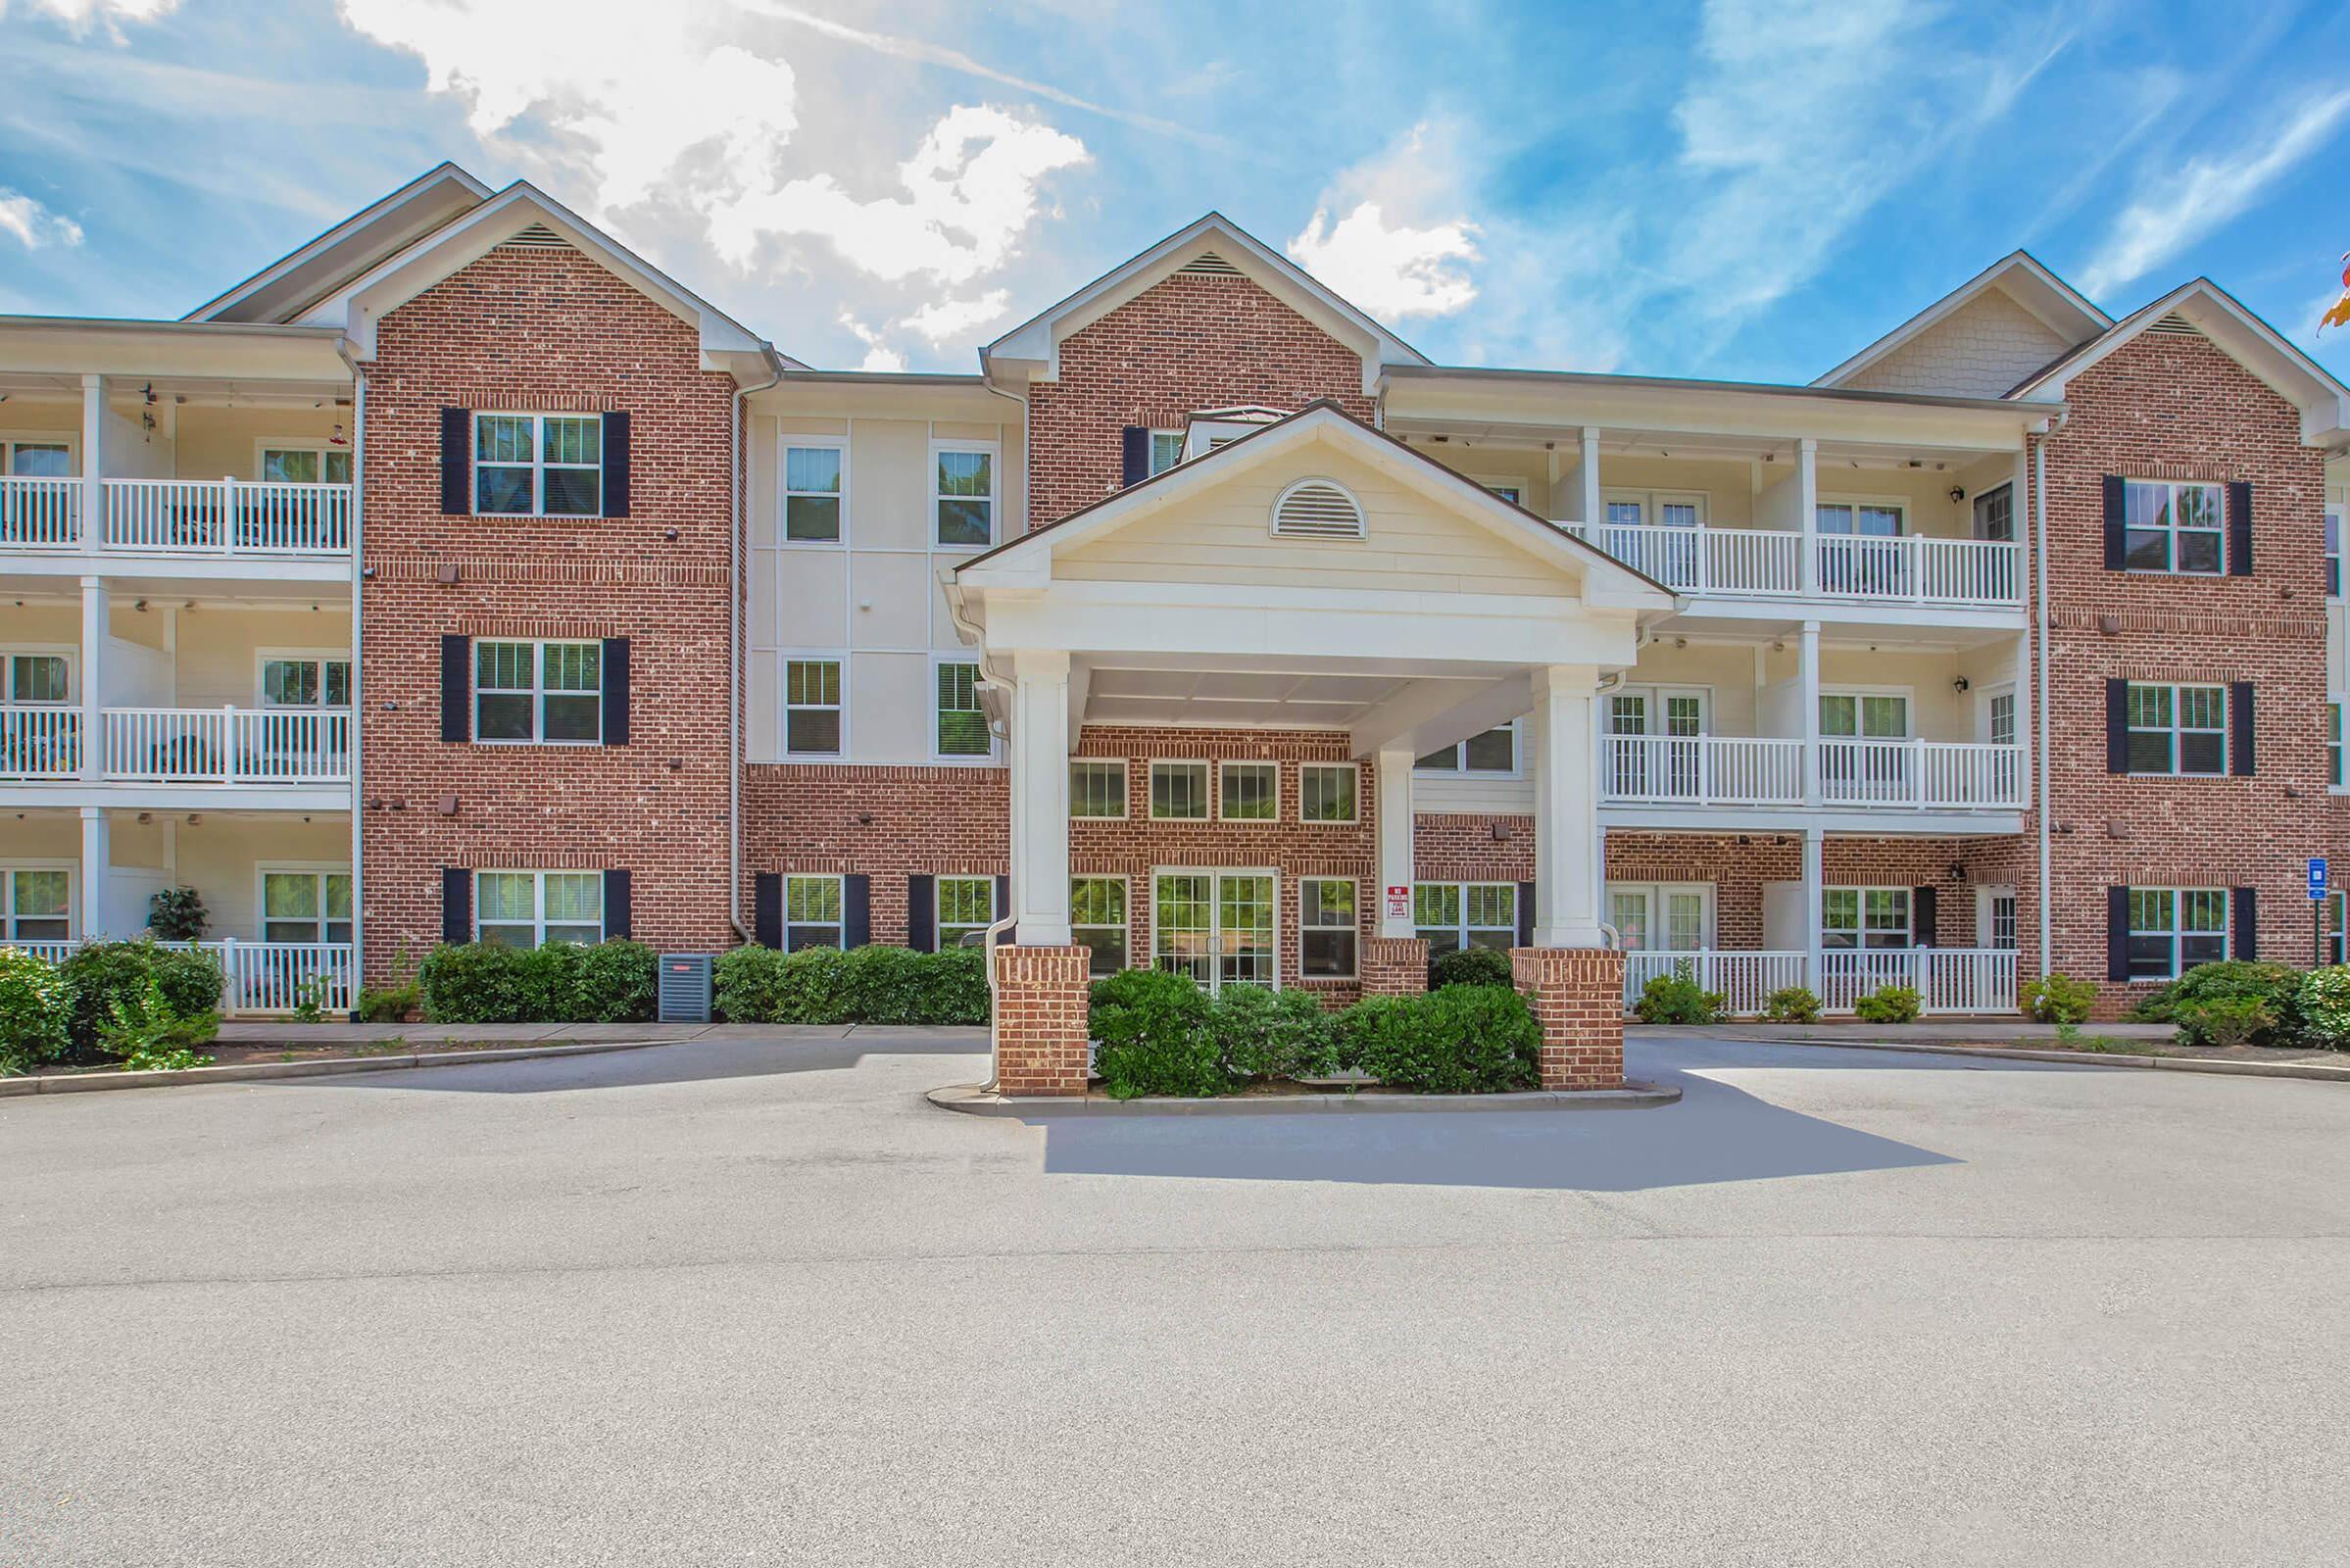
x: 1471, y: 966
x: 103, y: 974
x: 2277, y: 987
x: 1157, y: 1036
x: 2059, y: 998
x: 874, y: 984
x: 563, y: 982
x: 1461, y: 1040
x: 36, y: 1013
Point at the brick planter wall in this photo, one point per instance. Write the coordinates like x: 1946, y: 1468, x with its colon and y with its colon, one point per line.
x: 1577, y: 994
x: 1394, y: 966
x: 1040, y: 1020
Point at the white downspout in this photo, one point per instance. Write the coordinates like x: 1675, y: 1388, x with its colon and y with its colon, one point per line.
x: 357, y: 691
x: 737, y: 526
x: 2039, y: 702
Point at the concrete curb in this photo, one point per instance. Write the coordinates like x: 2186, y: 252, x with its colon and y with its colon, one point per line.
x: 322, y: 1067
x: 2317, y: 1071
x: 973, y: 1101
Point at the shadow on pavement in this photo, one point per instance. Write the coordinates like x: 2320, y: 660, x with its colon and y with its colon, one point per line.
x: 693, y: 1061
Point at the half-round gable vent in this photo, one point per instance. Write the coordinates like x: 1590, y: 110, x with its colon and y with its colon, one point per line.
x: 1318, y: 509
x: 1207, y: 264
x: 537, y: 237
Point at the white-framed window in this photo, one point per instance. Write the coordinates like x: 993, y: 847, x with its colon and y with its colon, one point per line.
x: 1166, y: 450
x: 2333, y: 550
x: 531, y: 908
x: 36, y: 901
x: 1329, y: 791
x: 1661, y: 916
x: 815, y: 489
x: 1249, y: 792
x: 538, y: 693
x: 963, y: 904
x: 1215, y: 926
x: 2175, y: 527
x: 958, y: 728
x: 1327, y: 930
x: 1098, y: 921
x: 1662, y: 509
x: 1864, y: 917
x: 301, y: 463
x: 538, y: 465
x: 49, y: 457
x: 1494, y: 753
x: 813, y: 710
x: 308, y: 903
x: 1864, y: 715
x: 963, y: 496
x: 32, y: 676
x: 1512, y: 491
x: 2334, y: 744
x: 2337, y: 925
x: 1179, y: 791
x: 1995, y: 513
x: 811, y: 913
x: 298, y: 678
x: 1465, y: 915
x: 1097, y: 788
x: 2178, y: 729
x: 1867, y: 519
x: 1995, y: 923
x: 2174, y: 929
x: 1999, y: 718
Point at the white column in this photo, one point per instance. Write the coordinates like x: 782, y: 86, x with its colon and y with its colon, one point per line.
x: 1808, y: 680
x: 1391, y: 784
x: 96, y: 855
x: 1807, y: 507
x: 93, y: 462
x: 1566, y: 817
x: 1815, y: 878
x: 94, y: 600
x: 1593, y: 513
x: 1040, y: 798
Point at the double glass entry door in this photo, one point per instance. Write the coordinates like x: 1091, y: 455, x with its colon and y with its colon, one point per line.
x: 1671, y: 766
x: 1658, y: 919
x: 1215, y: 926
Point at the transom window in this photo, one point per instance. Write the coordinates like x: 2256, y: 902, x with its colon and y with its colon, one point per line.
x: 1215, y: 926
x: 812, y: 494
x: 1098, y: 921
x: 965, y: 904
x: 305, y: 905
x: 550, y: 693
x: 2174, y: 527
x: 538, y: 465
x: 1249, y: 792
x: 1864, y: 917
x: 1179, y: 791
x: 2178, y: 729
x: 965, y: 498
x: 531, y: 908
x: 38, y: 678
x: 301, y: 681
x: 1326, y: 792
x: 2174, y: 929
x: 1493, y: 751
x: 36, y: 903
x: 1327, y: 931
x: 812, y: 912
x: 961, y: 729
x: 1098, y: 789
x: 319, y: 464
x: 812, y: 706
x: 1451, y: 915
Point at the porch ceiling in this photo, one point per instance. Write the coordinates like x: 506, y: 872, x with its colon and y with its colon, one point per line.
x: 1376, y: 704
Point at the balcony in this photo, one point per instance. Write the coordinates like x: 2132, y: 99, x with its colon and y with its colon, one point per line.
x: 1947, y: 980
x: 1768, y: 563
x: 1873, y: 774
x: 196, y: 518
x: 222, y: 746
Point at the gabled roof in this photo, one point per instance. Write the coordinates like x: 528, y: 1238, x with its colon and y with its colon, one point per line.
x: 1213, y: 245
x: 278, y: 292
x: 2055, y: 303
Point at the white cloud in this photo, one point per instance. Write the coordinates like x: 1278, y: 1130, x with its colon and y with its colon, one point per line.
x: 944, y: 320
x: 2177, y: 208
x: 34, y: 224
x: 83, y: 16
x: 1414, y: 263
x: 880, y: 359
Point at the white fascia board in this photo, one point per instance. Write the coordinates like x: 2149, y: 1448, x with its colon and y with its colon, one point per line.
x: 433, y: 187
x: 2243, y: 336
x: 2048, y: 297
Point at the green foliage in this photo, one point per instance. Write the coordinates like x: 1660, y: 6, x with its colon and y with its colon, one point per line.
x: 617, y: 983
x: 147, y: 1034
x: 390, y: 1004
x: 177, y: 914
x: 874, y: 984
x: 1471, y: 966
x: 563, y: 982
x: 2275, y: 986
x: 1889, y: 1005
x: 1792, y: 1004
x: 2224, y: 1023
x: 2058, y: 998
x: 2326, y: 1007
x: 1157, y: 1036
x: 36, y: 1011
x: 1677, y: 998
x: 1273, y: 1033
x: 1461, y: 1040
x: 101, y: 972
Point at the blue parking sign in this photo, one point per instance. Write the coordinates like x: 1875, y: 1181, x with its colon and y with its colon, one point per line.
x: 2317, y: 878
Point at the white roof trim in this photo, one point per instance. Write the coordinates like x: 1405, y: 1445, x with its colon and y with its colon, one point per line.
x: 445, y: 174
x: 2053, y: 302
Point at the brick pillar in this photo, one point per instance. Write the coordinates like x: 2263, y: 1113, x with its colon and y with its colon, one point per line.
x: 1040, y: 1020
x: 1394, y: 966
x: 1577, y: 994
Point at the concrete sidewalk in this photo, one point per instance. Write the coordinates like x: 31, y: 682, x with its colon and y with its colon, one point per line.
x: 276, y: 1032
x: 1930, y: 1031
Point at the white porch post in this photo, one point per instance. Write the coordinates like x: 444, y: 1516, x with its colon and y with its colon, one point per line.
x: 93, y: 464
x: 94, y: 604
x: 1815, y: 879
x: 1807, y: 502
x: 1808, y: 680
x: 96, y: 854
x: 1566, y: 818
x: 1391, y: 783
x: 1040, y: 798
x: 1593, y: 513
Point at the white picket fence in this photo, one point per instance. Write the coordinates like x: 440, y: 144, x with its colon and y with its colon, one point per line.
x: 261, y: 977
x: 1947, y: 980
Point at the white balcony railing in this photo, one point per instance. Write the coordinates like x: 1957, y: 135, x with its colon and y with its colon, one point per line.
x: 260, y: 976
x: 1738, y: 770
x: 226, y: 516
x: 38, y: 513
x: 1769, y: 562
x: 40, y: 743
x: 1921, y: 775
x: 226, y: 745
x: 1976, y: 572
x: 1709, y: 561
x: 1744, y: 980
x: 1947, y: 980
x: 1703, y: 769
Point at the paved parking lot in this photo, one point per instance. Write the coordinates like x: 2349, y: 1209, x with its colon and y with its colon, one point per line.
x: 744, y: 1301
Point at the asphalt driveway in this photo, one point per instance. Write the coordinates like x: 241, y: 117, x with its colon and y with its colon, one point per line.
x: 738, y: 1302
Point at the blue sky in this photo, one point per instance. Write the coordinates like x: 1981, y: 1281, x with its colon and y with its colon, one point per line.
x: 1729, y: 188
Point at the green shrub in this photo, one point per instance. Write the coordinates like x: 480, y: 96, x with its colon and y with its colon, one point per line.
x: 617, y: 983
x: 1471, y: 966
x: 1792, y: 1004
x: 390, y: 1004
x: 177, y: 914
x: 147, y: 1034
x: 2275, y: 986
x: 1273, y: 1033
x: 747, y: 985
x: 2058, y: 998
x: 1157, y: 1036
x: 36, y: 1013
x: 1461, y: 1040
x: 875, y: 984
x: 102, y: 971
x: 1889, y: 1005
x: 2326, y: 1007
x: 562, y: 982
x: 2224, y: 1022
x: 1677, y: 998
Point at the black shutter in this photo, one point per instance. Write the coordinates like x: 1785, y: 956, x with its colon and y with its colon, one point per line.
x: 1135, y: 453
x: 1525, y: 914
x: 457, y: 904
x: 2117, y: 933
x: 2242, y: 904
x: 2240, y: 728
x: 616, y: 464
x: 921, y: 914
x: 1003, y: 897
x: 767, y: 909
x: 456, y: 689
x: 2240, y: 530
x: 2116, y: 726
x: 2117, y: 524
x: 616, y: 691
x: 1925, y: 930
x: 857, y: 911
x: 618, y: 920
x: 457, y: 461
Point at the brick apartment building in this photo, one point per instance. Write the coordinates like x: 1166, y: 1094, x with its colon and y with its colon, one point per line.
x: 463, y: 575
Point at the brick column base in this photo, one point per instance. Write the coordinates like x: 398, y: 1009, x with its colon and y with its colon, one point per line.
x: 1040, y: 1020
x: 1577, y: 994
x: 1394, y: 966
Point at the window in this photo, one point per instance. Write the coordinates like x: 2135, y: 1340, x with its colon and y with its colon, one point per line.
x: 1995, y: 513
x: 311, y: 907
x: 531, y: 908
x: 37, y: 460
x: 2178, y: 729
x: 538, y: 465
x: 1166, y: 450
x: 1249, y: 792
x: 2002, y: 719
x: 306, y: 464
x: 1493, y: 751
x: 2334, y: 744
x: 2174, y: 929
x: 965, y: 500
x: 812, y: 494
x: 1864, y: 917
x: 1511, y: 491
x: 962, y: 730
x: 1326, y: 928
x: 1098, y: 921
x: 38, y: 678
x: 1326, y: 792
x: 1098, y: 790
x: 36, y: 903
x: 1179, y: 791
x: 302, y: 681
x: 548, y: 693
x: 1864, y: 715
x: 965, y: 904
x: 1663, y: 917
x: 2338, y: 916
x: 812, y: 912
x: 1215, y: 926
x: 812, y: 706
x: 2002, y: 921
x: 2174, y: 527
x: 1471, y: 915
x: 2333, y: 552
x: 1869, y: 519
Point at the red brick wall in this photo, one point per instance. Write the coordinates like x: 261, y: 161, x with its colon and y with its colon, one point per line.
x: 1040, y: 1020
x: 553, y: 332
x: 1184, y: 344
x: 886, y: 822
